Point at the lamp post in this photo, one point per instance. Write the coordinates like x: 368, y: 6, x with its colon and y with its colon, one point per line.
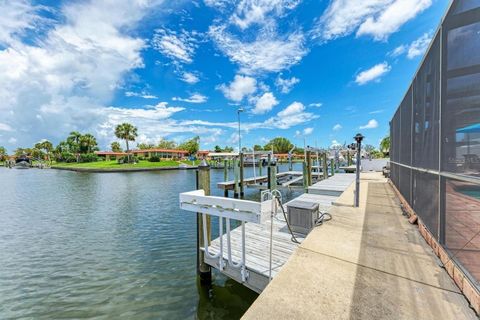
x: 358, y: 138
x: 239, y: 110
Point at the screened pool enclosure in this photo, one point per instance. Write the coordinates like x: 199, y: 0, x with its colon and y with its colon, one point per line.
x: 435, y: 138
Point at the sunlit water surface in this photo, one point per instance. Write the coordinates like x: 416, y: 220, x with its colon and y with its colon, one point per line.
x: 112, y: 245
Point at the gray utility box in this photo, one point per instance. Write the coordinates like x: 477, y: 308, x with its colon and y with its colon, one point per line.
x: 302, y: 216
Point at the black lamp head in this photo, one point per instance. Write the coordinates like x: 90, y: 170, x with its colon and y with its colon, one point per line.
x: 358, y: 138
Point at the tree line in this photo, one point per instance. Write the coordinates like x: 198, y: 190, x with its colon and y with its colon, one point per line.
x: 78, y: 147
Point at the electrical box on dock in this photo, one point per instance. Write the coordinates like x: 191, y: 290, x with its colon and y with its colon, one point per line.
x: 302, y: 216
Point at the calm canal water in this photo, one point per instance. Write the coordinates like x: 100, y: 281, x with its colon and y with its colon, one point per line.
x: 112, y: 245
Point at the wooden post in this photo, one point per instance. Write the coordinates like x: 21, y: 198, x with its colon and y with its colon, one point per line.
x: 332, y: 166
x: 203, y: 182
x: 325, y: 166
x: 274, y: 176
x: 260, y: 167
x: 309, y: 168
x: 235, y: 181
x: 241, y: 175
x: 225, y: 170
x: 305, y: 178
x: 225, y: 176
x: 271, y: 176
x: 349, y: 159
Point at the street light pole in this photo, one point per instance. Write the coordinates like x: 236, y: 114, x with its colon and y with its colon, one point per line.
x: 239, y: 135
x: 358, y: 138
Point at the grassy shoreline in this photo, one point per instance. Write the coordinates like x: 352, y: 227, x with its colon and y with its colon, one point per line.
x: 113, y: 166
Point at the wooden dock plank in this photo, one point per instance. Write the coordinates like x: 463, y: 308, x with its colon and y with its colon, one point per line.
x: 257, y: 239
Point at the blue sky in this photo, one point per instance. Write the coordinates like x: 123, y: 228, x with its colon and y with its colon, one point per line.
x: 323, y: 70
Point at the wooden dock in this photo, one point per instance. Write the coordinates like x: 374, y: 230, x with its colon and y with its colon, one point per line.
x: 284, y: 179
x: 257, y: 238
x: 333, y: 186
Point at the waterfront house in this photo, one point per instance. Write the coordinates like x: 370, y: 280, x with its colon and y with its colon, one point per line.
x: 109, y: 155
x: 163, y: 154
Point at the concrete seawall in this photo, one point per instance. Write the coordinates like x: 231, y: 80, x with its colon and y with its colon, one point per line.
x: 366, y: 263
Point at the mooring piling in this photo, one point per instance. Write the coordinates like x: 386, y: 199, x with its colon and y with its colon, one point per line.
x: 204, y: 271
x: 309, y: 167
x: 305, y: 179
x: 325, y: 166
x: 241, y: 175
x: 236, y: 174
x: 332, y: 165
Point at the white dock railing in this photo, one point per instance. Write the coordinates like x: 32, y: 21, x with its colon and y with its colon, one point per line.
x: 226, y: 208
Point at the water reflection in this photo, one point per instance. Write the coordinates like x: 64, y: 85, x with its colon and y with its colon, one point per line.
x: 75, y: 245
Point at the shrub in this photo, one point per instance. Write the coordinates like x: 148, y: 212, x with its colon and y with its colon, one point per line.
x: 154, y: 159
x: 88, y: 157
x: 66, y: 157
x: 133, y: 159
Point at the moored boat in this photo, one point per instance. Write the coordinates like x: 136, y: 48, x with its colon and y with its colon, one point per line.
x: 23, y: 162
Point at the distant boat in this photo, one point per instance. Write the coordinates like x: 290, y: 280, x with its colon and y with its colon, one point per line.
x: 23, y: 162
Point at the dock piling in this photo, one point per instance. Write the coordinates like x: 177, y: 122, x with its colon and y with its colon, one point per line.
x: 235, y: 173
x: 332, y: 166
x: 241, y: 175
x: 325, y: 166
x: 305, y: 183
x: 204, y: 271
x: 309, y: 167
x: 225, y: 176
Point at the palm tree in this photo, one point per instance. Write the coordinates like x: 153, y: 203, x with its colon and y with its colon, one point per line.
x: 3, y: 153
x: 115, y: 146
x: 46, y: 146
x: 88, y: 141
x: 127, y: 132
x: 385, y: 145
x: 73, y: 141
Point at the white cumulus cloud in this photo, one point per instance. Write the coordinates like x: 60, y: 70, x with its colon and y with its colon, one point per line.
x: 307, y: 131
x: 376, y: 18
x: 239, y: 88
x: 250, y: 12
x: 178, y: 46
x: 374, y: 73
x: 337, y: 127
x: 419, y: 46
x: 194, y: 98
x: 268, y: 52
x: 189, y: 77
x: 414, y: 49
x: 265, y: 103
x: 286, y: 85
x: 142, y: 94
x: 372, y: 124
x: 54, y: 86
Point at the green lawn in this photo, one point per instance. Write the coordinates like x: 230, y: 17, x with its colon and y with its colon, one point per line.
x: 114, y: 165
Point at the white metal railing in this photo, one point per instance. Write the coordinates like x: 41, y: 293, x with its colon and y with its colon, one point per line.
x: 228, y: 209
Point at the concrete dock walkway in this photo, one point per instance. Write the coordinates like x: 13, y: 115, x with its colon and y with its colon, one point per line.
x: 366, y: 263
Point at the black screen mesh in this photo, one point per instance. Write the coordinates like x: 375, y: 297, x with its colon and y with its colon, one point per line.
x: 406, y: 128
x: 461, y: 104
x: 426, y: 110
x: 425, y: 199
x: 436, y: 128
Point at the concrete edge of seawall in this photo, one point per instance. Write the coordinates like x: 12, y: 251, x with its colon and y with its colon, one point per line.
x: 343, y: 268
x: 95, y: 170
